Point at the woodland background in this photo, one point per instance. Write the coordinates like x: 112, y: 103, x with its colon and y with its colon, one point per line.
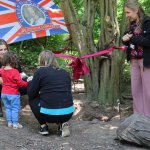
x: 96, y: 118
x: 102, y: 24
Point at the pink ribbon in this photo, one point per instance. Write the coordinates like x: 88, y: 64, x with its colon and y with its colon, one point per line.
x: 79, y: 65
x: 58, y: 52
x: 122, y: 47
x: 79, y: 68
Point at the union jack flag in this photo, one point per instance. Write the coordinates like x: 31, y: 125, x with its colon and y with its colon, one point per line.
x: 27, y: 19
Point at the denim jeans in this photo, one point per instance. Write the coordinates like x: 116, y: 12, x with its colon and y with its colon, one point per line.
x: 12, y: 105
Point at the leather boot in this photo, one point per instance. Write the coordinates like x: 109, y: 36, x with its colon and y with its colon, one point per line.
x: 1, y: 113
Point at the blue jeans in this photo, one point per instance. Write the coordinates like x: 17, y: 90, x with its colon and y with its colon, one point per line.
x: 12, y: 104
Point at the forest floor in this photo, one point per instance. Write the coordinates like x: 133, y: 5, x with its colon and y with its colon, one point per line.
x: 92, y: 127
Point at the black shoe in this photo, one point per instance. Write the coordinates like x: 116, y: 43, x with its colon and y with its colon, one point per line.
x: 44, y: 130
x: 1, y: 113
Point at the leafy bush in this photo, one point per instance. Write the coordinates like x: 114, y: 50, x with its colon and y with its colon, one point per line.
x: 126, y: 73
x: 28, y: 55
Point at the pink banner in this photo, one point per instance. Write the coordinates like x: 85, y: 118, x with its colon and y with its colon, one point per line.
x: 79, y: 65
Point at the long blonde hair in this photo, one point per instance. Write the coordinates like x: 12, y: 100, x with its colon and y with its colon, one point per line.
x: 133, y: 5
x: 47, y: 58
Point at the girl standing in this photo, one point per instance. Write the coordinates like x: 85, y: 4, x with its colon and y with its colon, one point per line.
x: 3, y: 49
x: 11, y: 83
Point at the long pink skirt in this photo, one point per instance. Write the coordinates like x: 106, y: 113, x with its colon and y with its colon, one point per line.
x: 140, y: 84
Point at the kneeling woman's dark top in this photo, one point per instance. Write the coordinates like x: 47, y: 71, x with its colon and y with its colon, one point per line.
x: 53, y: 86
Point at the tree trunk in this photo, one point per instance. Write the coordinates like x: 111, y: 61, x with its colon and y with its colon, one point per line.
x: 103, y: 82
x: 135, y: 129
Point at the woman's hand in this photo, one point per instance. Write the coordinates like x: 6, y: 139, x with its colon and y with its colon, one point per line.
x: 30, y: 78
x: 127, y: 37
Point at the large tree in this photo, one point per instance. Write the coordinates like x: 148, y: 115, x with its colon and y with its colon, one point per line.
x: 103, y: 82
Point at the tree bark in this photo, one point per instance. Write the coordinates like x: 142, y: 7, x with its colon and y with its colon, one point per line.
x: 103, y: 82
x: 135, y: 129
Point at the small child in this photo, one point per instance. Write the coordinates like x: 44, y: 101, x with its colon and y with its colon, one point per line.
x: 11, y: 83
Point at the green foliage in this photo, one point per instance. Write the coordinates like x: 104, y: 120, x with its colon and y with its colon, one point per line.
x: 57, y: 2
x: 120, y: 4
x: 79, y: 7
x: 29, y: 55
x: 55, y: 42
x: 145, y: 4
x: 84, y: 22
x: 97, y: 25
x: 126, y: 73
x: 64, y: 63
x: 15, y: 47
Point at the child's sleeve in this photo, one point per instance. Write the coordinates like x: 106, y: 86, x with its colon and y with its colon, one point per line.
x: 19, y: 80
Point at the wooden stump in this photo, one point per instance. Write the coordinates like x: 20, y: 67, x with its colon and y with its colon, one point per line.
x: 135, y: 129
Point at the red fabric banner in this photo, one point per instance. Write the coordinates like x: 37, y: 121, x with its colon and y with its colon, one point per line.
x: 79, y: 65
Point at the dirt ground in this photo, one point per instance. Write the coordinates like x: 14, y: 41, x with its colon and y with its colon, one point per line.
x: 92, y: 127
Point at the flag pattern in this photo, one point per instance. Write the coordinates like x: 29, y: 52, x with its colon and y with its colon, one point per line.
x: 27, y: 19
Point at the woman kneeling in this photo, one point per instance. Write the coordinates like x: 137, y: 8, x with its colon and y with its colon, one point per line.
x: 50, y: 95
